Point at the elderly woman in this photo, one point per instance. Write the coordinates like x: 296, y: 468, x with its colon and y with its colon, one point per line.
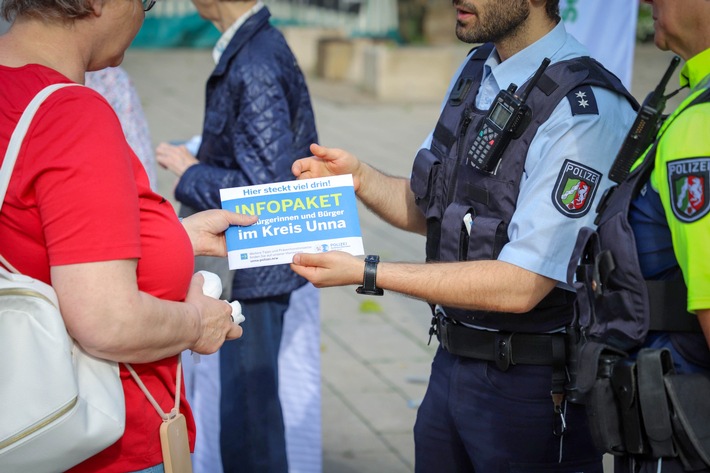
x: 258, y: 121
x: 79, y: 214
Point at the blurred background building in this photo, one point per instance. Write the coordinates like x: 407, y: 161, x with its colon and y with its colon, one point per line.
x: 394, y: 49
x: 175, y: 23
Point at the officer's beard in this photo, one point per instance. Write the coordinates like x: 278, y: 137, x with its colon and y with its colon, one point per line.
x: 502, y: 19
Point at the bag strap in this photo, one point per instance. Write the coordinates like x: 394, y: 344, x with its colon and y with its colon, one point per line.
x: 175, y: 410
x: 13, y: 148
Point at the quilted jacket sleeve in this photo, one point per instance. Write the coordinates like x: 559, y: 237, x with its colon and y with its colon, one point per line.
x: 252, y: 142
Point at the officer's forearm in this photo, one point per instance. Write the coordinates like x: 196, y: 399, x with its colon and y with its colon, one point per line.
x: 482, y: 285
x: 391, y: 199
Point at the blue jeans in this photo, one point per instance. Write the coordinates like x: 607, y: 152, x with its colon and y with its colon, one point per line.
x: 477, y: 418
x: 153, y: 469
x: 252, y: 435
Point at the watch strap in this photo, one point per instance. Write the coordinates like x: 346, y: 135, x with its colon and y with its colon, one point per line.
x: 369, y: 283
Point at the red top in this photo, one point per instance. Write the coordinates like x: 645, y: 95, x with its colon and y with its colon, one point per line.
x: 79, y: 194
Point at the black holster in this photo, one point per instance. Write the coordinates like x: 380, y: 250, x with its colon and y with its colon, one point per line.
x: 641, y: 407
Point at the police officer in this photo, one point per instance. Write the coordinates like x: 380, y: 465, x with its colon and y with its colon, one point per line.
x: 500, y: 230
x: 666, y: 201
x: 678, y: 198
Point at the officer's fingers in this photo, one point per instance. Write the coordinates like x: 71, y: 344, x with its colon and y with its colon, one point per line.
x: 327, y: 154
x: 308, y: 259
x: 298, y: 167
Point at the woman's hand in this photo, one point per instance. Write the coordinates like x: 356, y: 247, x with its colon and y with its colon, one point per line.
x: 216, y: 323
x: 175, y: 159
x: 333, y: 268
x: 206, y: 230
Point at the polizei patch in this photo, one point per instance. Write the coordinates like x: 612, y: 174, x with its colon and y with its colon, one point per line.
x: 575, y: 189
x: 689, y: 181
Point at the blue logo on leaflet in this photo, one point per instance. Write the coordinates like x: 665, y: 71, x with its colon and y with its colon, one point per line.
x: 244, y: 256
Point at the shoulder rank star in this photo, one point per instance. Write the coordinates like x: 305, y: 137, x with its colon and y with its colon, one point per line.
x: 582, y: 101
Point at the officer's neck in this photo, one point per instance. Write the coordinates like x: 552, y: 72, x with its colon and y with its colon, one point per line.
x: 530, y: 31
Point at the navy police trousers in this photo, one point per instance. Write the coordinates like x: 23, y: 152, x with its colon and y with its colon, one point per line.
x: 477, y: 418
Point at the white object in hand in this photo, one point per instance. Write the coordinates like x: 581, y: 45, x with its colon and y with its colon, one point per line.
x: 213, y: 288
x: 237, y: 312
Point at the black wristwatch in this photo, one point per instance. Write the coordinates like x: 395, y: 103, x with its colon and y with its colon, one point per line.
x: 369, y: 285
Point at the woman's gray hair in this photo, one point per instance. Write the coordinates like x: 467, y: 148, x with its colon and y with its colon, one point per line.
x: 46, y: 9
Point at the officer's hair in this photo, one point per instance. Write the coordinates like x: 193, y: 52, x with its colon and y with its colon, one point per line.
x: 552, y: 8
x: 53, y: 10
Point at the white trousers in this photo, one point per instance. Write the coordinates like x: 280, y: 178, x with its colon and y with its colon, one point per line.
x: 299, y: 390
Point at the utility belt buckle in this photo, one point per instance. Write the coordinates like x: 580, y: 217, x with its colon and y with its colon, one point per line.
x: 503, y: 347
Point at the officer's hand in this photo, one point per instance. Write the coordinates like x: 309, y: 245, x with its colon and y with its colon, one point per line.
x: 327, y: 162
x: 333, y: 268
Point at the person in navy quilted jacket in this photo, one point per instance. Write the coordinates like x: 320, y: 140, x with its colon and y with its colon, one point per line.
x: 258, y: 121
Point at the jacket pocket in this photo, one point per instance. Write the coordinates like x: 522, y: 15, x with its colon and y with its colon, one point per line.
x: 215, y: 121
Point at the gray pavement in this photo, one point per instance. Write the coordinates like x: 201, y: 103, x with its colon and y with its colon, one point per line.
x: 375, y: 357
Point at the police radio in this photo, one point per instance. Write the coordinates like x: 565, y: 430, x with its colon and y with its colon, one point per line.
x: 507, y: 119
x: 645, y: 127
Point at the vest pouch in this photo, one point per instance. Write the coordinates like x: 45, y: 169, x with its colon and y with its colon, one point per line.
x: 612, y: 308
x: 690, y: 412
x: 616, y: 305
x: 423, y: 182
x: 621, y: 298
x: 455, y: 246
x: 490, y: 234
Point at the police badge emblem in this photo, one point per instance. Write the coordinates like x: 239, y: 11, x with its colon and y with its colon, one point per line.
x: 575, y: 189
x: 689, y: 185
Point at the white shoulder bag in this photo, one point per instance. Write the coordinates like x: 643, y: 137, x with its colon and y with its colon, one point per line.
x: 58, y: 404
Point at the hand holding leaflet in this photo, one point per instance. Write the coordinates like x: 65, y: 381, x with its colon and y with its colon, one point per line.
x: 302, y: 216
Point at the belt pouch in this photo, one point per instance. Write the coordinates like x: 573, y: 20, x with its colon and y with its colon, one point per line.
x: 652, y: 365
x: 690, y: 413
x: 624, y: 382
x: 603, y: 411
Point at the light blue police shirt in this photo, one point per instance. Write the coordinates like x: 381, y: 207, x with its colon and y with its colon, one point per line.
x: 541, y: 236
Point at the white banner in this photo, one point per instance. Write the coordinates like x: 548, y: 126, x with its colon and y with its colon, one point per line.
x: 607, y: 28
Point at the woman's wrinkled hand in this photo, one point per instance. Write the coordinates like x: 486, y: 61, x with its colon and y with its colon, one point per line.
x: 206, y: 230
x: 216, y: 325
x: 175, y: 159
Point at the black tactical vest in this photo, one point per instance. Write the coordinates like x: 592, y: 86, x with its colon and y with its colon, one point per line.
x: 615, y: 306
x: 446, y: 188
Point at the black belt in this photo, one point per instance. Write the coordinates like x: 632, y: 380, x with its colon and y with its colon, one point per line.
x: 503, y: 348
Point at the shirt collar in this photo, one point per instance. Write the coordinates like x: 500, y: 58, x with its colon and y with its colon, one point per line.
x: 522, y: 65
x: 695, y: 70
x: 229, y: 33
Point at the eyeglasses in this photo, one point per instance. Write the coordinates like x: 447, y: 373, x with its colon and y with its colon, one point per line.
x: 148, y: 4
